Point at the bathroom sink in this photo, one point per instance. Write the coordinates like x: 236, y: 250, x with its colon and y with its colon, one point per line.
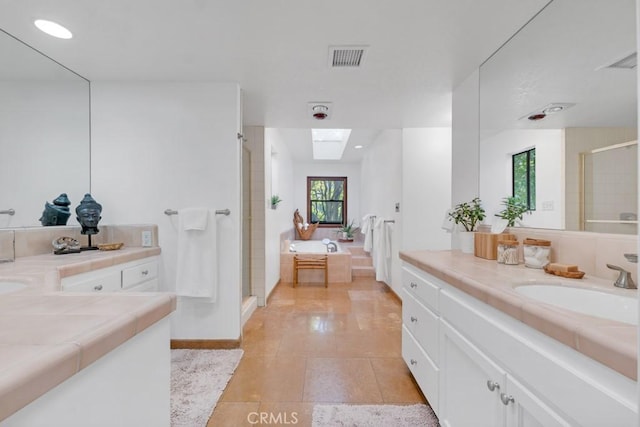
x: 587, y: 301
x: 6, y: 286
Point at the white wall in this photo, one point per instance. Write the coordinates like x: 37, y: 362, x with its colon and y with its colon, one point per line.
x: 426, y: 187
x: 495, y: 174
x: 465, y: 139
x: 44, y: 141
x: 351, y: 170
x: 173, y: 145
x: 279, y: 179
x: 381, y: 189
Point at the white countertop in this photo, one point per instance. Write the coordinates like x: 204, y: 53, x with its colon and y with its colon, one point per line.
x: 46, y: 336
x: 611, y: 343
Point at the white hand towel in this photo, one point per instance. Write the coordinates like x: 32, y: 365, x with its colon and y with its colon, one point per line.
x: 193, y: 218
x: 197, y: 266
x: 382, y: 250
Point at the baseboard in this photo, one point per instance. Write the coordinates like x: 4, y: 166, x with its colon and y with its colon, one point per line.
x: 205, y: 344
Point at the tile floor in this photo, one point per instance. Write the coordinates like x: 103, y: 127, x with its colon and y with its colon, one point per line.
x: 315, y: 345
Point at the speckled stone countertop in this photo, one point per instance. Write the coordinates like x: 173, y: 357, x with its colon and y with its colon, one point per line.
x: 46, y: 335
x: 611, y: 343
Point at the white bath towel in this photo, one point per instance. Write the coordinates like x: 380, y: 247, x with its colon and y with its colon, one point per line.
x: 197, y: 266
x: 367, y: 230
x: 382, y: 249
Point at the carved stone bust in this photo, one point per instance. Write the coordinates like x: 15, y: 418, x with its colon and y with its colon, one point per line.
x: 57, y: 213
x: 88, y: 215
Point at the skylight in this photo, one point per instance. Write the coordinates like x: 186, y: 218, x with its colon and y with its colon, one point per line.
x: 328, y: 144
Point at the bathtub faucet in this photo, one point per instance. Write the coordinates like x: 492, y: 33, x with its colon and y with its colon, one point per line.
x: 332, y: 247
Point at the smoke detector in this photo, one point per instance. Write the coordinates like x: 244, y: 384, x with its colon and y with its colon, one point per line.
x: 320, y: 110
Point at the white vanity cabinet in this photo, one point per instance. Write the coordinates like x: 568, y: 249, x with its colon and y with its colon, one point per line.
x: 420, y: 331
x: 493, y: 370
x: 139, y: 275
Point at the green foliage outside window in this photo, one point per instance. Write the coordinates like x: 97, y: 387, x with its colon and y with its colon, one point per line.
x: 524, y: 178
x: 327, y: 197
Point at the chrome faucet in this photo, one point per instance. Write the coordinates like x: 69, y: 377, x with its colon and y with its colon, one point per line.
x: 624, y: 280
x: 332, y: 247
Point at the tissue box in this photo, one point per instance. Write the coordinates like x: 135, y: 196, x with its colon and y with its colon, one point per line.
x: 486, y: 244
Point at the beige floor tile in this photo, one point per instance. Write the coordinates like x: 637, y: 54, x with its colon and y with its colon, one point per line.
x: 233, y: 414
x: 395, y: 381
x: 341, y: 381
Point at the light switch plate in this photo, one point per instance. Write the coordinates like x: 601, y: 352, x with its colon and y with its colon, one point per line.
x: 147, y: 241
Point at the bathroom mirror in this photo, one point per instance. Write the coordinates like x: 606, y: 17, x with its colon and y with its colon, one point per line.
x: 573, y: 68
x: 44, y: 133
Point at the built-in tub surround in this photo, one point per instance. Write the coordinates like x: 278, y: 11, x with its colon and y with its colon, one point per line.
x: 49, y: 336
x: 611, y: 343
x: 339, y: 263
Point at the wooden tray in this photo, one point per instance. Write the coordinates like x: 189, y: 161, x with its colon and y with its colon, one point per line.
x: 110, y: 246
x: 568, y: 274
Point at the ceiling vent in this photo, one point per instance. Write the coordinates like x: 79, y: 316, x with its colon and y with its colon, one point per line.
x: 628, y: 62
x: 346, y: 56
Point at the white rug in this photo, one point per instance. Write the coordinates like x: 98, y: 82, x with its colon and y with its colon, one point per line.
x: 198, y: 378
x: 374, y: 416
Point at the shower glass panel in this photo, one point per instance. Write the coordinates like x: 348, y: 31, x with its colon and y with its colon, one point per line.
x: 609, y: 190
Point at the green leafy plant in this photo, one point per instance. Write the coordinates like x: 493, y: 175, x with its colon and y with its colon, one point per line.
x: 469, y: 214
x: 513, y: 209
x: 275, y: 199
x: 348, y: 229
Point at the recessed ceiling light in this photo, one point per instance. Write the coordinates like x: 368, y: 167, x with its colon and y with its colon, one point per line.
x: 357, y: 147
x: 53, y: 29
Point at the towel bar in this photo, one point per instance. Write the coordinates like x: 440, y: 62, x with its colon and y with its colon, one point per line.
x: 218, y: 212
x: 8, y: 212
x: 392, y: 221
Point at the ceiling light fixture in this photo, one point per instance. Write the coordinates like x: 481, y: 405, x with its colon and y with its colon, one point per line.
x: 357, y: 147
x: 53, y: 29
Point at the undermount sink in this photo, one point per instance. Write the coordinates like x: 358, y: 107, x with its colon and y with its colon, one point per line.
x: 7, y: 286
x: 587, y: 301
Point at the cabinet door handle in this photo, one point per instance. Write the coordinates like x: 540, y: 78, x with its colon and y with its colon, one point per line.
x: 145, y: 272
x: 97, y: 288
x: 493, y: 385
x: 414, y: 319
x: 414, y: 362
x: 506, y: 399
x: 413, y: 285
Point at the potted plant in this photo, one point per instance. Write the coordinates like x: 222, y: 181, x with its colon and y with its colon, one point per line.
x: 467, y: 214
x: 347, y: 230
x: 513, y: 209
x: 275, y: 199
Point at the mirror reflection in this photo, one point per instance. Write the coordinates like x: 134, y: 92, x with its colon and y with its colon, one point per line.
x: 564, y: 87
x: 44, y: 134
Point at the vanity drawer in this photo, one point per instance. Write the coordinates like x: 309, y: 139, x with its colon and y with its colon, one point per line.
x: 424, y: 291
x: 423, y: 369
x: 104, y: 283
x: 422, y: 323
x: 140, y: 273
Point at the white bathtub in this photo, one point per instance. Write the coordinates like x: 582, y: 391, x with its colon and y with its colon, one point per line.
x: 312, y: 247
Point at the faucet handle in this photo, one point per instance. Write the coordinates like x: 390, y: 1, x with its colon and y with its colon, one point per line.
x: 616, y: 268
x: 624, y: 280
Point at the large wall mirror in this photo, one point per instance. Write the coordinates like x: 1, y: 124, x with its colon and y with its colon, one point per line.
x: 565, y: 85
x: 44, y: 134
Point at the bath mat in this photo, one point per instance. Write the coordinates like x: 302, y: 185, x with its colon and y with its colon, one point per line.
x: 374, y: 416
x: 198, y: 378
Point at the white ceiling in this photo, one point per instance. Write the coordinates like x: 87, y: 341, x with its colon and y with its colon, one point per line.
x: 278, y: 51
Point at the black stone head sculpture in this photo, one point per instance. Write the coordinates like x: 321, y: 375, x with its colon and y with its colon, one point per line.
x: 57, y: 213
x: 88, y: 215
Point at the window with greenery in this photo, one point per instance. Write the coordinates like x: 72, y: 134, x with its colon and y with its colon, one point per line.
x: 326, y: 200
x: 524, y: 178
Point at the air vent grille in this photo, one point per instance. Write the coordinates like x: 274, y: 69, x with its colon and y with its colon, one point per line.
x: 346, y: 56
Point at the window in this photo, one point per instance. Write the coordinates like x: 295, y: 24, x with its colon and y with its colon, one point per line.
x: 326, y: 200
x: 524, y: 178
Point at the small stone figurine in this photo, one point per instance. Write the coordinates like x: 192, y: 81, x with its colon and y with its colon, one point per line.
x: 88, y: 215
x: 57, y: 213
